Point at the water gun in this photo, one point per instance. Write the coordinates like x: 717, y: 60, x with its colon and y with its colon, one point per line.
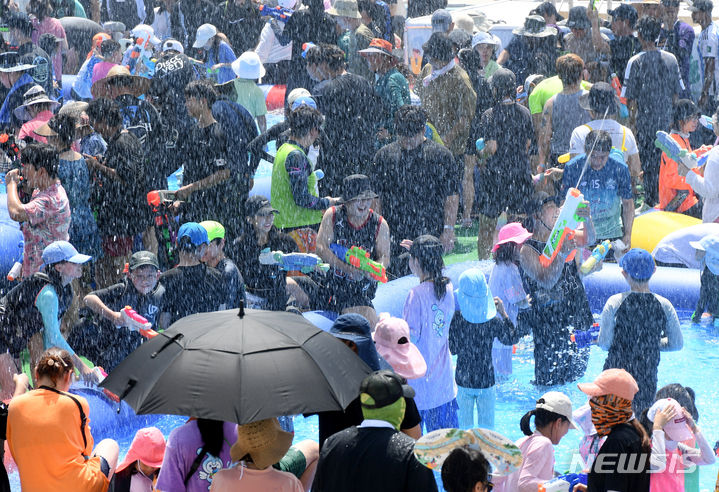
x: 563, y: 483
x: 671, y: 148
x: 101, y: 375
x: 303, y: 262
x: 280, y: 13
x: 584, y: 338
x: 479, y: 144
x: 306, y: 47
x: 9, y: 146
x: 564, y: 227
x: 359, y: 258
x: 156, y: 198
x: 598, y: 255
x: 617, y: 86
x: 707, y: 122
x: 16, y: 269
x: 136, y: 322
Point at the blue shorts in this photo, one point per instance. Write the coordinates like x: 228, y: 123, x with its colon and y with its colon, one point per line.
x: 441, y: 417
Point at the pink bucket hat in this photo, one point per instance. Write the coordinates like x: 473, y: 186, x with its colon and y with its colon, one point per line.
x: 147, y: 446
x: 677, y: 428
x: 391, y: 338
x: 611, y: 382
x: 513, y: 232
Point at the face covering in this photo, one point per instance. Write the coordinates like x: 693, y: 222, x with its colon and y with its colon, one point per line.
x: 392, y: 413
x: 608, y: 411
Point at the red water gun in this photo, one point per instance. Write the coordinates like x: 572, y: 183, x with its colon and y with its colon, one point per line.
x: 617, y: 86
x: 134, y: 320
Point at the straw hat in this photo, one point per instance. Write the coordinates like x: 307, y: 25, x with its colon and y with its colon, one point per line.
x: 35, y: 95
x: 136, y: 85
x: 264, y: 441
x: 345, y: 8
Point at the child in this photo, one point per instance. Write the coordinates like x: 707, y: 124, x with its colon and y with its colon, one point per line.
x: 391, y: 337
x: 215, y: 257
x: 707, y: 252
x: 138, y: 471
x: 249, y: 69
x: 672, y: 427
x: 470, y: 338
x: 552, y: 420
x: 636, y: 325
x: 428, y: 311
x: 506, y: 283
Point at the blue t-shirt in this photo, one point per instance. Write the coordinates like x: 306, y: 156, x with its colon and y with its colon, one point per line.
x: 223, y: 54
x: 604, y: 190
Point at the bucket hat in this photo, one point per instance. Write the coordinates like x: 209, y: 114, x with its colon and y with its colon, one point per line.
x: 345, y: 8
x: 474, y: 297
x: 34, y: 95
x: 148, y: 447
x: 391, y: 338
x: 536, y: 27
x: 249, y: 66
x: 10, y: 62
x: 264, y: 441
x: 710, y: 246
x: 355, y: 328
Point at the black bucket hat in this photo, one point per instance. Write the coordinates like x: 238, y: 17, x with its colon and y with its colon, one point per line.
x: 356, y: 187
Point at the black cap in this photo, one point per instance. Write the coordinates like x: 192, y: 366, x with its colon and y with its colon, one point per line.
x: 547, y: 8
x: 258, y: 205
x: 356, y: 187
x: 685, y: 109
x: 601, y: 98
x: 20, y: 20
x: 701, y: 6
x: 143, y: 258
x: 578, y: 18
x: 538, y: 200
x: 460, y: 38
x: 438, y: 46
x: 385, y: 387
x: 625, y: 11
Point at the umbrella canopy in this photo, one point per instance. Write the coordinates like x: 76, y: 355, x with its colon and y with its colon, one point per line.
x: 239, y: 369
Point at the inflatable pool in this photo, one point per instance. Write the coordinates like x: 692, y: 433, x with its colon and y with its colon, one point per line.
x: 651, y: 227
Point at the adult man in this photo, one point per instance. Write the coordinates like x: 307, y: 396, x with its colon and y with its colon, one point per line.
x: 353, y: 223
x: 587, y: 41
x: 16, y: 79
x: 356, y: 36
x: 20, y: 32
x: 191, y: 287
x: 606, y: 185
x: 532, y: 50
x: 241, y: 22
x: 708, y: 45
x: 122, y: 178
x: 215, y: 258
x: 413, y: 167
x: 651, y: 84
x: 625, y: 44
x: 677, y: 37
x: 603, y: 107
x: 446, y: 93
x: 46, y: 218
x: 106, y: 336
x: 374, y: 455
x: 442, y: 21
x: 562, y: 113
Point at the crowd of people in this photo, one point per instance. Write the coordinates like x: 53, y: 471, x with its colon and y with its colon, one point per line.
x: 373, y: 158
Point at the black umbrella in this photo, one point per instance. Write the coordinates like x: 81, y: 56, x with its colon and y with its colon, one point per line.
x: 239, y: 368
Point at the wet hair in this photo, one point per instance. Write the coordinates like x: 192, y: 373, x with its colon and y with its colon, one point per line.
x: 212, y: 433
x: 504, y: 253
x: 463, y: 468
x: 202, y: 89
x: 41, y: 156
x: 48, y: 43
x: 314, y: 55
x: 54, y: 363
x: 40, y: 8
x: 105, y: 110
x: 569, y: 69
x: 542, y: 418
x: 334, y: 57
x: 603, y: 141
x: 108, y: 47
x: 64, y: 125
x: 303, y: 120
x: 648, y: 28
x: 409, y: 120
x: 433, y: 266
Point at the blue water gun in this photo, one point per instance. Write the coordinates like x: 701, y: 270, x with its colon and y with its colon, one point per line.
x: 564, y: 483
x: 671, y: 148
x: 598, y: 255
x: 280, y: 13
x: 479, y: 144
x: 585, y: 338
x: 291, y: 262
x: 707, y: 122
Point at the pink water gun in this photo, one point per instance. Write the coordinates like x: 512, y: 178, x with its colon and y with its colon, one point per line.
x: 134, y: 320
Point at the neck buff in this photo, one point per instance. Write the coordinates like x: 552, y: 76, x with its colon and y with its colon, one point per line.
x: 437, y: 72
x: 608, y: 411
x: 392, y: 413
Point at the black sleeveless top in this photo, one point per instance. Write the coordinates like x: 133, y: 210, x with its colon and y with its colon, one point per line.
x: 348, y: 235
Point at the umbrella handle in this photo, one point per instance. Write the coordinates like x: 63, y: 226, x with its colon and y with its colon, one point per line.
x: 169, y: 342
x: 130, y: 384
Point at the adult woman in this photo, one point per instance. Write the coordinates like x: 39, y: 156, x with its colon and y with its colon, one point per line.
x: 49, y: 435
x: 611, y: 396
x: 45, y: 23
x: 218, y: 54
x: 705, y: 181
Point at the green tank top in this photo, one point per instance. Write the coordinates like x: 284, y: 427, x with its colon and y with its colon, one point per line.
x: 290, y: 214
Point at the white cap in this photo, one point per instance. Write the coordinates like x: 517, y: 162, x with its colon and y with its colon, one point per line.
x: 145, y: 32
x: 296, y: 94
x: 559, y: 403
x: 249, y: 66
x: 204, y: 33
x: 172, y: 45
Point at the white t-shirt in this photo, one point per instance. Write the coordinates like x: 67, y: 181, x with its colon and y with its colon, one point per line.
x: 708, y: 48
x: 269, y: 49
x: 675, y: 247
x: 619, y: 133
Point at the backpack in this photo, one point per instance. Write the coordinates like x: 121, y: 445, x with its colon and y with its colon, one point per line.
x: 17, y: 324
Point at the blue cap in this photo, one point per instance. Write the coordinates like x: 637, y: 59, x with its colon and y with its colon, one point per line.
x: 196, y: 233
x: 639, y: 264
x: 303, y: 101
x: 474, y: 297
x: 355, y: 328
x: 62, y: 251
x: 710, y: 246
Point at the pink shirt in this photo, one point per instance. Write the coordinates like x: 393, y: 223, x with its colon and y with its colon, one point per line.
x: 537, y: 468
x: 53, y: 26
x: 48, y: 221
x: 267, y: 480
x: 99, y: 71
x: 29, y: 127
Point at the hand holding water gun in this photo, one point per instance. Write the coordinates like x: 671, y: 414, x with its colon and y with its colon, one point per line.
x: 565, y: 483
x: 617, y: 86
x: 303, y: 262
x: 359, y: 258
x: 584, y: 338
x: 707, y: 122
x: 16, y: 269
x: 280, y: 13
x: 598, y: 255
x: 134, y: 321
x: 671, y: 148
x: 565, y: 226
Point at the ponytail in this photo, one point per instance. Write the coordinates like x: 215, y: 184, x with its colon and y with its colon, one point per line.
x: 542, y: 418
x: 440, y: 286
x: 639, y: 428
x: 524, y: 423
x: 212, y: 433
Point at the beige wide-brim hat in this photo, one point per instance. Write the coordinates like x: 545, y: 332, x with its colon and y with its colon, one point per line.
x: 264, y: 441
x: 345, y: 8
x: 134, y: 84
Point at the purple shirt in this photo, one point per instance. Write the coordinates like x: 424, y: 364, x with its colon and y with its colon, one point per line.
x: 428, y: 320
x: 183, y: 446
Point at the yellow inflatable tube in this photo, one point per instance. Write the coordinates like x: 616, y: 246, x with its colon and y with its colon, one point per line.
x: 652, y: 227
